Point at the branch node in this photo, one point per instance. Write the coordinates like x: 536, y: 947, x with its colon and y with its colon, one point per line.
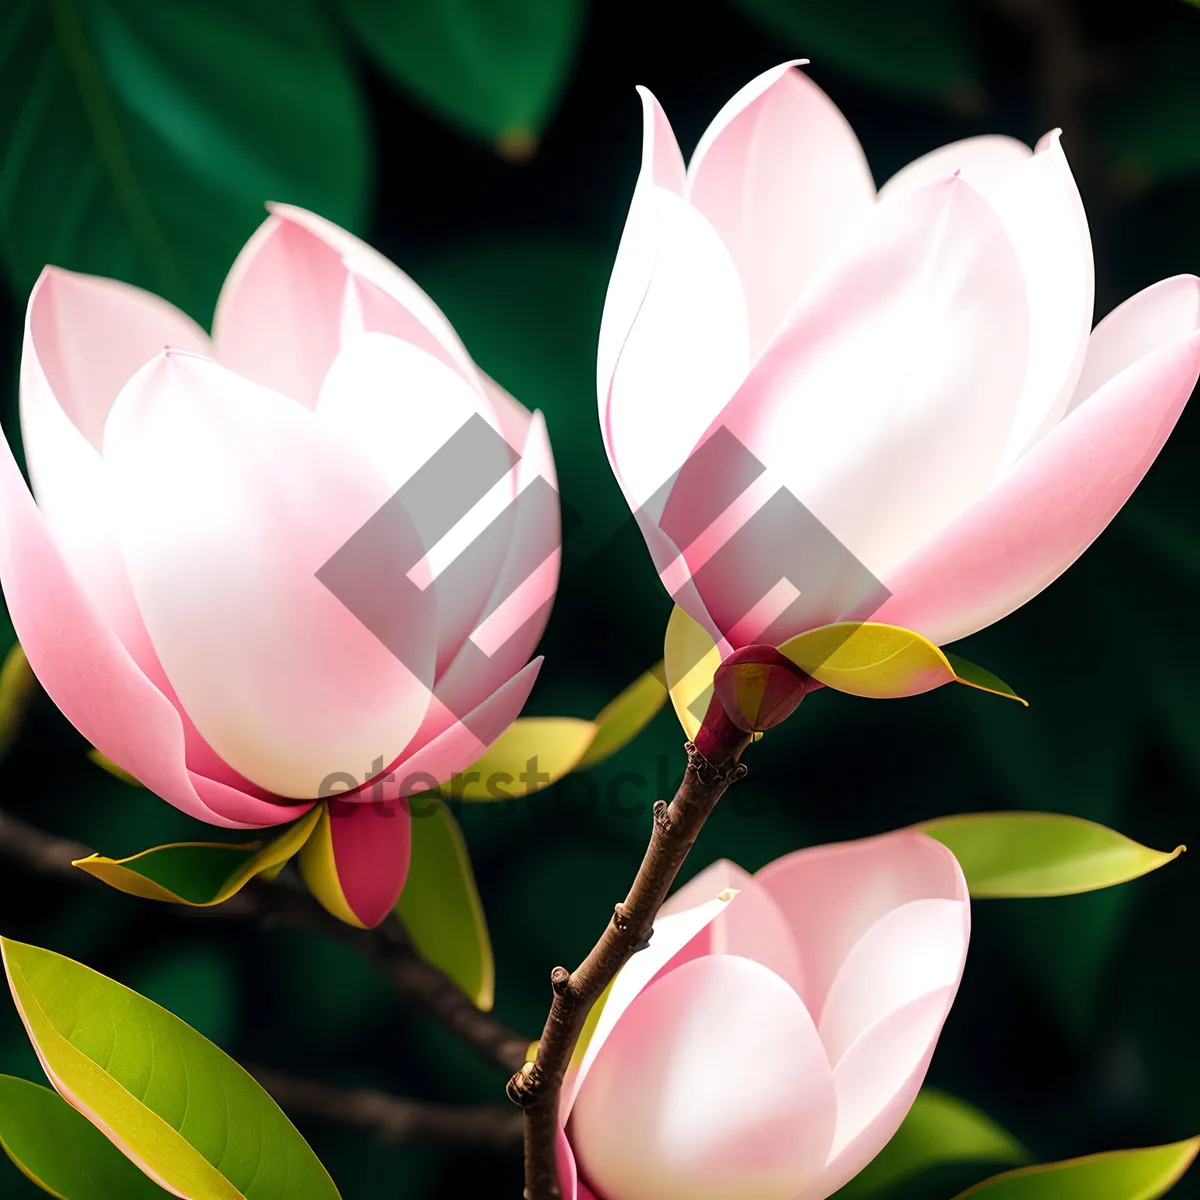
x: 526, y: 1085
x: 662, y: 818
x: 560, y: 981
x: 708, y: 774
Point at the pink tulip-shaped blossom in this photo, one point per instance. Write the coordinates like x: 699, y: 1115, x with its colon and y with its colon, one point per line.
x: 772, y: 1037
x: 916, y: 366
x: 188, y: 489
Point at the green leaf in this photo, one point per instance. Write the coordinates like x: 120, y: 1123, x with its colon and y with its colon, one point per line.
x: 179, y: 1107
x: 918, y: 49
x: 1019, y: 854
x: 624, y: 717
x: 1116, y: 1175
x: 18, y: 686
x: 61, y: 1152
x: 107, y: 764
x: 883, y: 662
x: 440, y: 904
x: 532, y: 753
x: 199, y: 874
x: 494, y: 67
x: 1149, y: 127
x: 939, y: 1129
x: 143, y: 139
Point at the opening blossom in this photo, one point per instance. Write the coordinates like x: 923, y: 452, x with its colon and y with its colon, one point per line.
x: 187, y: 491
x: 916, y: 366
x: 774, y: 1034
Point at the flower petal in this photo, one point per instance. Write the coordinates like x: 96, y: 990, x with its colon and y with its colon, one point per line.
x: 1060, y: 495
x: 866, y: 383
x: 714, y: 1086
x: 1036, y: 198
x: 402, y: 409
x: 356, y: 860
x: 85, y: 338
x: 751, y: 926
x: 915, y: 949
x: 366, y: 264
x: 783, y: 180
x: 662, y: 167
x: 426, y: 764
x: 278, y: 317
x: 985, y: 162
x: 230, y: 499
x: 878, y: 1079
x: 678, y: 937
x: 1162, y: 312
x: 90, y: 675
x: 832, y: 895
x: 685, y: 354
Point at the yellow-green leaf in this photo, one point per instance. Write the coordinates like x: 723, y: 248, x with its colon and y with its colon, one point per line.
x: 1115, y: 1175
x: 939, y: 1129
x: 883, y: 662
x: 199, y: 874
x: 690, y: 660
x: 111, y: 767
x: 170, y: 1100
x: 59, y: 1150
x: 623, y: 718
x: 1023, y: 854
x: 532, y: 753
x: 17, y: 687
x: 440, y: 905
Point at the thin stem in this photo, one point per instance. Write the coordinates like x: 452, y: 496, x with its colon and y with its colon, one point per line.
x: 393, y: 1119
x: 283, y: 903
x: 538, y: 1085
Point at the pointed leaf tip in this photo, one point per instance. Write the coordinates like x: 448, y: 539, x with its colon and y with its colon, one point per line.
x: 199, y: 874
x: 440, y: 905
x: 1031, y: 854
x: 225, y: 1140
x: 1143, y: 1174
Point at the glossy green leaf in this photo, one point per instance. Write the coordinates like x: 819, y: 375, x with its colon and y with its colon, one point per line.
x: 883, y: 662
x: 1116, y: 1175
x: 1020, y: 854
x: 624, y: 717
x: 532, y: 753
x: 179, y: 1106
x: 939, y: 1129
x: 142, y: 139
x: 199, y: 873
x: 440, y: 905
x: 494, y: 67
x: 919, y: 49
x: 60, y: 1151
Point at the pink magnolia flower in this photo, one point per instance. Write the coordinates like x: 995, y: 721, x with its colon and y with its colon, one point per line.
x: 187, y: 490
x: 916, y: 366
x: 767, y: 1046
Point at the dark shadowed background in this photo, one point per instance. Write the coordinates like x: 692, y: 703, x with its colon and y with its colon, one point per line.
x: 139, y: 139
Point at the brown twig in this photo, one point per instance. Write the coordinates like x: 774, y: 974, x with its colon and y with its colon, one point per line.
x: 392, y: 1119
x: 282, y: 903
x: 536, y: 1087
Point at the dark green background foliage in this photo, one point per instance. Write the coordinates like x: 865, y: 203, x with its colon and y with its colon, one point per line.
x: 140, y: 139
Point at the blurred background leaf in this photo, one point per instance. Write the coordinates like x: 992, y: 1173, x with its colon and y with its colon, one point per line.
x: 495, y: 68
x: 920, y: 49
x: 1075, y: 1028
x: 1149, y: 124
x: 141, y: 139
